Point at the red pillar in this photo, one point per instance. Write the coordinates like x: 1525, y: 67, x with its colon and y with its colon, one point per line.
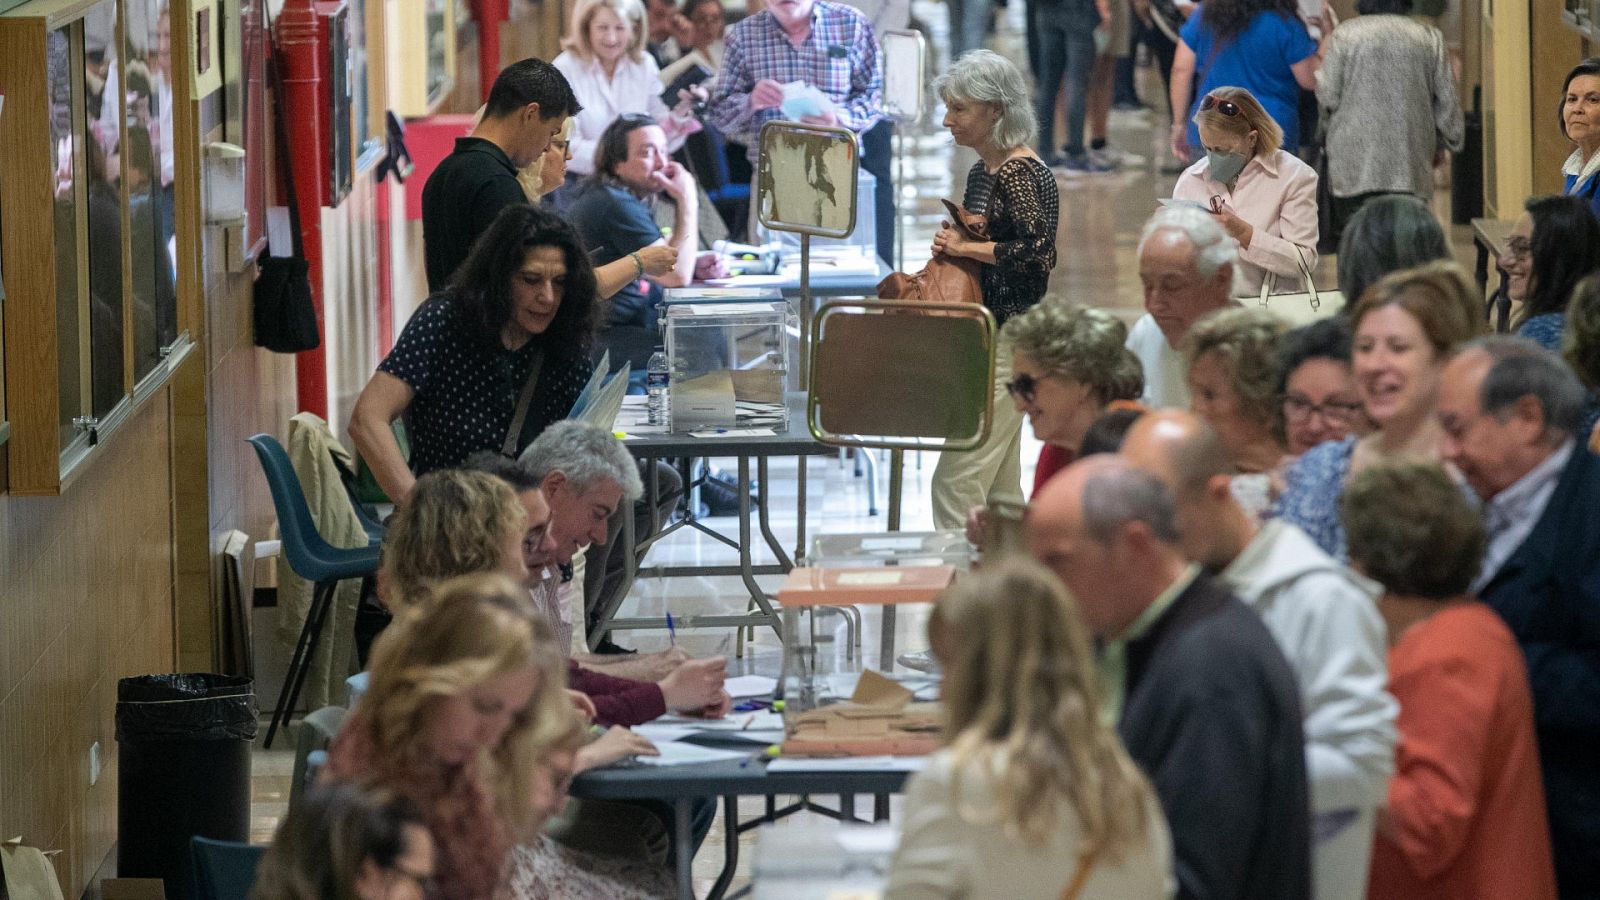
x: 490, y: 14
x: 299, y: 53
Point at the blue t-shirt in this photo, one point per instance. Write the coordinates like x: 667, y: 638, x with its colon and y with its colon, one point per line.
x: 613, y: 222
x: 1258, y: 60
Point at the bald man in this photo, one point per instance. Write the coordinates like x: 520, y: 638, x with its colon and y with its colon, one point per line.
x: 1325, y: 620
x: 1200, y: 693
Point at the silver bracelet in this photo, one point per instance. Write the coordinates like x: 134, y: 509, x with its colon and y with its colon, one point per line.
x: 638, y: 266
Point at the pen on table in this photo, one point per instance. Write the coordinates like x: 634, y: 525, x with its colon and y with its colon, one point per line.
x: 746, y: 725
x: 672, y: 631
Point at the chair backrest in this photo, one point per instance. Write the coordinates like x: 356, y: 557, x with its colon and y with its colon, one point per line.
x: 302, y: 543
x: 224, y: 870
x: 316, y: 732
x: 884, y: 373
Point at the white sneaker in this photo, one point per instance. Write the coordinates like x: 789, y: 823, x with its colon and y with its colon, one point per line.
x: 919, y: 661
x: 1108, y: 158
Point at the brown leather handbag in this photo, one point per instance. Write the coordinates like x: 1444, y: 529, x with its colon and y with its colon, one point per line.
x: 945, y: 279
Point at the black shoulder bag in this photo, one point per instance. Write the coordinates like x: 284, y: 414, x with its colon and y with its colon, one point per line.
x: 285, y: 313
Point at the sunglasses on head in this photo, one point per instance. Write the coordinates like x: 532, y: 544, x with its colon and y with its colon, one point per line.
x: 1226, y: 107
x: 1023, y: 387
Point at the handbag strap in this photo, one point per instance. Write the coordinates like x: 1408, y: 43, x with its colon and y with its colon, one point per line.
x: 524, y: 400
x: 1271, y: 281
x: 1081, y: 876
x: 280, y: 152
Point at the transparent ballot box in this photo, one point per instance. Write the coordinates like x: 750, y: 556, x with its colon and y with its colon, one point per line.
x: 897, y: 548
x: 713, y: 295
x: 729, y: 364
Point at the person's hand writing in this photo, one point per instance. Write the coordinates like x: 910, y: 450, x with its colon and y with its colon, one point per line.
x: 658, y: 259
x: 617, y: 743
x: 1237, y: 228
x: 695, y: 684
x: 582, y: 703
x: 715, y: 710
x: 767, y: 94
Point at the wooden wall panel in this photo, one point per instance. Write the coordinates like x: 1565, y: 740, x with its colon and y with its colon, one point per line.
x: 89, y: 599
x: 1554, y: 49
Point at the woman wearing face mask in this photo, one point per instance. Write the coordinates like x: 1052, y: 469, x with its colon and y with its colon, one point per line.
x: 1261, y: 194
x: 1580, y: 123
x: 1554, y: 245
x: 1406, y: 326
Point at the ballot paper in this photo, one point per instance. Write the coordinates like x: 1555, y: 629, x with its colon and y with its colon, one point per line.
x: 741, y: 686
x: 674, y: 753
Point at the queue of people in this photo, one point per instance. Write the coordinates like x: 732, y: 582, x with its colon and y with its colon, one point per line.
x: 1309, y: 611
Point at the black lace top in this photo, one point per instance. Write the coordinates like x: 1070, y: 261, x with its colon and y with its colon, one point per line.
x: 1021, y: 205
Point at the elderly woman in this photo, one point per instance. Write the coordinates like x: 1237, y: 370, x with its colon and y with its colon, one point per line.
x: 1406, y: 328
x: 490, y: 361
x: 1262, y: 195
x: 1554, y: 245
x: 1580, y: 124
x: 987, y: 109
x: 1465, y: 815
x: 1258, y: 45
x: 605, y: 62
x: 1233, y: 374
x: 1387, y: 235
x: 1316, y: 386
x: 1390, y: 94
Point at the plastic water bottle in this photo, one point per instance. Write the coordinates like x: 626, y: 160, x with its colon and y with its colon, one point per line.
x: 655, y: 385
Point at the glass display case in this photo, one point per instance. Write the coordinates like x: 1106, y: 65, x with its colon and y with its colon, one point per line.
x: 729, y: 363
x: 420, y: 54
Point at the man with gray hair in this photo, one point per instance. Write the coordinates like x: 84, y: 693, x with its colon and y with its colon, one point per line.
x: 1510, y: 412
x: 1186, y: 264
x: 1200, y: 692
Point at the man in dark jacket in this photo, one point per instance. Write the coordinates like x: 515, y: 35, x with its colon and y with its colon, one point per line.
x: 528, y: 105
x: 1510, y: 411
x: 1203, y: 698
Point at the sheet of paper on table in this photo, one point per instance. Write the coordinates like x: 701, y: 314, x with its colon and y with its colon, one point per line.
x: 848, y: 764
x: 734, y: 433
x: 762, y: 720
x: 674, y: 753
x: 741, y: 686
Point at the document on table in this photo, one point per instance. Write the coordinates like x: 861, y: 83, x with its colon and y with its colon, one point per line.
x: 674, y: 753
x: 763, y: 720
x: 848, y: 764
x: 741, y: 686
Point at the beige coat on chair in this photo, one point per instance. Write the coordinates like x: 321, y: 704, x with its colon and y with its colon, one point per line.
x: 312, y: 451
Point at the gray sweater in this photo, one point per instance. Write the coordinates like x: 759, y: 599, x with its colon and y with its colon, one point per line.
x: 1391, y: 97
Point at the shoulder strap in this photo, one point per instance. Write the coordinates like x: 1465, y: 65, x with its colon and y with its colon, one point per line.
x: 524, y: 400
x: 280, y: 151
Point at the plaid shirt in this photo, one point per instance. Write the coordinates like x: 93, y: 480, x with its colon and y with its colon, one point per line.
x: 839, y: 57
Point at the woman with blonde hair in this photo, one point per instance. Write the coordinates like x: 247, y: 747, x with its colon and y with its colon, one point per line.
x: 604, y: 61
x: 1232, y: 356
x: 1406, y: 328
x: 466, y: 692
x: 1262, y: 195
x: 1033, y: 797
x: 457, y: 522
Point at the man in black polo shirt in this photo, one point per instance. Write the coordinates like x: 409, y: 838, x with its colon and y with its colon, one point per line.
x: 528, y: 105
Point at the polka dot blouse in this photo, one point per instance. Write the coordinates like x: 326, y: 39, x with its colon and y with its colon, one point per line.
x: 466, y: 393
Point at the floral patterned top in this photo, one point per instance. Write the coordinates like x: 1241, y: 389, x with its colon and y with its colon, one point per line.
x: 1311, y: 498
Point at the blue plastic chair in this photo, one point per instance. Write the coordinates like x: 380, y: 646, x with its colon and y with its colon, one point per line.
x: 224, y: 870
x: 312, y: 558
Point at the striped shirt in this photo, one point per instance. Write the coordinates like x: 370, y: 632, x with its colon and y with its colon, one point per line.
x: 839, y: 57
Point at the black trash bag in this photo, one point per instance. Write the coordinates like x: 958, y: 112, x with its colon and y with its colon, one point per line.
x: 194, y: 706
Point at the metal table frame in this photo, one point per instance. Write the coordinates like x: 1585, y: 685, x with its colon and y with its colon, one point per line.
x: 682, y: 785
x: 797, y: 442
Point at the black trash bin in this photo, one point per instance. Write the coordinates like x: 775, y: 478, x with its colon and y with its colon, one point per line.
x: 183, y: 755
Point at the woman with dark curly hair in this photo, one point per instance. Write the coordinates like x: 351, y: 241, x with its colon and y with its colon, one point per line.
x: 1554, y: 245
x: 490, y: 361
x: 1259, y: 45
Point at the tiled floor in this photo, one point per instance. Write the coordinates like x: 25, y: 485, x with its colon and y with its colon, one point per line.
x: 1099, y: 226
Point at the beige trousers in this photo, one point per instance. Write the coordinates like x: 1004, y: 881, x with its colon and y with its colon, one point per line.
x: 964, y: 480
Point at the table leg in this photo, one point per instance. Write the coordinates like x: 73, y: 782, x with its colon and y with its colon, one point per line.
x: 764, y: 515
x: 880, y: 807
x: 630, y: 562
x: 730, y: 850
x: 683, y: 847
x: 800, y: 512
x: 1482, y: 268
x: 847, y: 807
x: 746, y: 552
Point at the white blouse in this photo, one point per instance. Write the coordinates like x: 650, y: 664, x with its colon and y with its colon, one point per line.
x: 635, y: 87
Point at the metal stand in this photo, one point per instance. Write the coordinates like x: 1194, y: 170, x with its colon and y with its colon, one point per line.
x: 805, y: 311
x: 897, y: 464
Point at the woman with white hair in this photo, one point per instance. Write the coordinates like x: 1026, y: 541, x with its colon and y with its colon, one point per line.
x: 611, y: 75
x: 987, y: 109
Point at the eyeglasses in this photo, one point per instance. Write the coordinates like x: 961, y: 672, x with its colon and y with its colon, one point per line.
x: 1299, y: 410
x: 1226, y: 107
x: 1023, y: 387
x: 1518, y: 247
